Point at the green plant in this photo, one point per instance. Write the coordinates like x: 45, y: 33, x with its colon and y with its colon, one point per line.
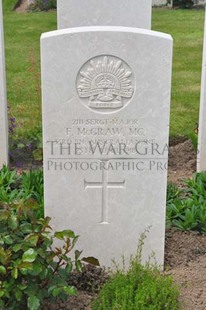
x: 32, y: 185
x: 141, y: 287
x: 35, y: 138
x: 9, y: 184
x: 196, y: 187
x: 194, y: 138
x: 28, y: 146
x: 30, y: 268
x: 173, y: 192
x: 174, y: 204
x: 186, y: 209
x: 8, y: 179
x: 22, y: 189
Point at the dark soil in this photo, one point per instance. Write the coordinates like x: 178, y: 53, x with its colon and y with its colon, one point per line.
x: 182, y: 161
x: 185, y: 252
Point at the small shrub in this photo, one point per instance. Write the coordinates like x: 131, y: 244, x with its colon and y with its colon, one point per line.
x: 141, y: 287
x: 30, y: 270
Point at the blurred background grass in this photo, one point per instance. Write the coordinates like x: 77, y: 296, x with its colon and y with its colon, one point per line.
x: 22, y: 44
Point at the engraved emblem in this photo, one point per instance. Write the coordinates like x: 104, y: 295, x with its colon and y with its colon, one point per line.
x: 105, y: 83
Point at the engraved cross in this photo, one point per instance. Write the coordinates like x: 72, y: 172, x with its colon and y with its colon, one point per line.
x: 104, y: 185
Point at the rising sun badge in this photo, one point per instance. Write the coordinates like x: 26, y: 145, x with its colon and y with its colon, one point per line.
x: 105, y: 83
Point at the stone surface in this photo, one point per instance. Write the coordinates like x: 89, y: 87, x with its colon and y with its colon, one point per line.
x: 106, y: 104
x: 3, y: 103
x: 128, y: 13
x: 201, y: 154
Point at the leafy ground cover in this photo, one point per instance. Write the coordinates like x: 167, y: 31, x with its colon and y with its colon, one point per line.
x: 22, y: 190
x: 22, y: 36
x: 186, y: 208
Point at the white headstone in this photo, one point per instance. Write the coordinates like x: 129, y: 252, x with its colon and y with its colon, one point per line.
x: 127, y: 13
x: 201, y: 155
x: 3, y: 101
x: 106, y: 105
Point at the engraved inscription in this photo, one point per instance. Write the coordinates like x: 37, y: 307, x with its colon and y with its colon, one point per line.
x: 105, y: 83
x: 104, y: 185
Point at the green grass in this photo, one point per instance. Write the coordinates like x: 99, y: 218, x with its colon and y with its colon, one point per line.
x: 22, y: 45
x: 186, y: 28
x: 22, y: 34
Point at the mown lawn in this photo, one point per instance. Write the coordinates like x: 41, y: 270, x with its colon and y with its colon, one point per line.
x: 22, y: 44
x: 22, y: 34
x: 186, y: 28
